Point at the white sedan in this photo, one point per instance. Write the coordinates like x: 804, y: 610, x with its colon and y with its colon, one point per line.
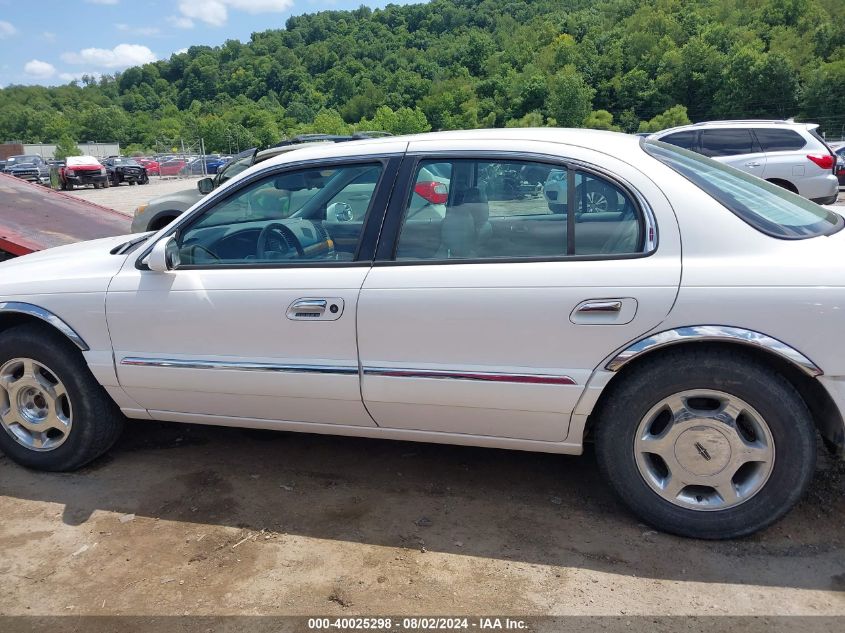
x: 691, y: 331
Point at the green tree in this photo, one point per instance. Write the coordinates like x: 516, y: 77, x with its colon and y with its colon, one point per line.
x: 570, y: 98
x: 66, y: 147
x: 674, y: 116
x: 601, y: 120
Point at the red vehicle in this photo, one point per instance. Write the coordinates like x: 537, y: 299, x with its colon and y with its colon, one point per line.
x: 79, y: 171
x: 153, y: 168
x: 172, y: 167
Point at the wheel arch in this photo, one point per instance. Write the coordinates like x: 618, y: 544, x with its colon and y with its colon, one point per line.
x: 162, y: 219
x: 14, y: 313
x: 797, y: 368
x: 782, y: 182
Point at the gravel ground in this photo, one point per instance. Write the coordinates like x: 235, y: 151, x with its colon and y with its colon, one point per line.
x: 125, y: 198
x: 203, y: 520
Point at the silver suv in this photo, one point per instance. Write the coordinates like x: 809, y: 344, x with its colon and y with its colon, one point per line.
x: 785, y: 153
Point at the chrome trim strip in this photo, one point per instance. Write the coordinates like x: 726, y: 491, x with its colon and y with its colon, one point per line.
x: 240, y: 366
x: 714, y: 333
x: 535, y: 379
x: 46, y: 316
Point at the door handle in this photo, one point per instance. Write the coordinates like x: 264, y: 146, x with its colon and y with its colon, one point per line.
x: 752, y: 164
x: 593, y: 307
x: 317, y: 306
x: 316, y: 309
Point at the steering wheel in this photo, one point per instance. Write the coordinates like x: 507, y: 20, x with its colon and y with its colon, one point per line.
x: 285, y: 238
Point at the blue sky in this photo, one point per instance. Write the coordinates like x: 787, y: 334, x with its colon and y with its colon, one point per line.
x: 51, y: 42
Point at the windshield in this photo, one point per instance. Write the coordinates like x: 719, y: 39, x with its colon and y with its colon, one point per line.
x: 768, y: 208
x: 125, y: 161
x: 19, y: 160
x: 239, y: 163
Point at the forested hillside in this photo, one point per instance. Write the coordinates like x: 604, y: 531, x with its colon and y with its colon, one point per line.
x: 467, y: 63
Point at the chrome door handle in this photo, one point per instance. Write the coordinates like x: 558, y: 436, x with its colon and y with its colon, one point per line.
x: 752, y: 164
x: 592, y: 307
x: 317, y: 306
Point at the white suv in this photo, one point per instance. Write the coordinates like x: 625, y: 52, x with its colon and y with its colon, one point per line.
x: 785, y: 153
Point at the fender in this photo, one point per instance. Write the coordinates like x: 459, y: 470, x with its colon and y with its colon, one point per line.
x: 16, y: 307
x: 698, y: 333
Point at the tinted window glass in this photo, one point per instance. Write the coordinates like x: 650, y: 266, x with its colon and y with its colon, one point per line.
x: 681, y: 139
x: 772, y: 140
x: 480, y: 209
x: 726, y: 142
x: 767, y: 207
x: 301, y: 216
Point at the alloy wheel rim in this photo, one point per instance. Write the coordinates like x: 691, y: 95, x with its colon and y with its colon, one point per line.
x: 704, y: 450
x: 596, y: 202
x: 35, y: 408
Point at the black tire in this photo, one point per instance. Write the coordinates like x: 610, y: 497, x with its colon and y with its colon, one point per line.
x: 96, y: 423
x: 728, y: 371
x: 69, y: 186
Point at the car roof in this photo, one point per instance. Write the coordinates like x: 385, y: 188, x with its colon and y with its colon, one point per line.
x: 740, y: 123
x: 593, y: 139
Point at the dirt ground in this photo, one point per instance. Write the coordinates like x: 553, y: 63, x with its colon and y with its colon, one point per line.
x: 125, y: 198
x: 181, y: 520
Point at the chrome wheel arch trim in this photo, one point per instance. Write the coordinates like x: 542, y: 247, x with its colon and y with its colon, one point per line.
x: 18, y: 307
x: 711, y: 333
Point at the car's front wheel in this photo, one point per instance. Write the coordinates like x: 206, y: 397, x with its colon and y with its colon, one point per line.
x: 54, y: 415
x: 706, y: 444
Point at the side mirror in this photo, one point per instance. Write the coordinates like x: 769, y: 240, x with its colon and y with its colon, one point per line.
x: 339, y: 212
x: 205, y: 185
x: 165, y: 255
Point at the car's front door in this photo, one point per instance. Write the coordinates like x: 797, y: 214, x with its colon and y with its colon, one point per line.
x: 257, y: 321
x: 490, y: 320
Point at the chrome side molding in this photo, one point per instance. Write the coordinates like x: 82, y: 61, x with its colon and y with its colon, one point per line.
x: 240, y: 366
x: 18, y: 307
x: 714, y: 333
x: 533, y: 379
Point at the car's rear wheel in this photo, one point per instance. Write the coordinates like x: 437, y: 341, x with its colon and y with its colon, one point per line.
x: 706, y: 444
x: 54, y: 415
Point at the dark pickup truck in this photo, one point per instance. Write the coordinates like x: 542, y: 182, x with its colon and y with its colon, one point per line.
x: 29, y: 167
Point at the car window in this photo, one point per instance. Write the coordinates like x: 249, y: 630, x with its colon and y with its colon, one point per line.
x: 301, y: 216
x: 726, y: 142
x: 681, y: 139
x: 239, y: 163
x: 767, y: 207
x: 493, y: 209
x: 772, y: 140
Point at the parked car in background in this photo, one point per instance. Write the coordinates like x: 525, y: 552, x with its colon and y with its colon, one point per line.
x: 212, y: 165
x: 839, y: 150
x: 2, y: 166
x: 788, y: 154
x: 173, y: 167
x: 126, y: 170
x: 160, y: 211
x: 80, y: 171
x: 151, y: 165
x: 500, y: 324
x: 29, y: 167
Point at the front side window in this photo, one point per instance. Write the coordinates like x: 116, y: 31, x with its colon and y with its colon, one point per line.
x: 500, y: 209
x: 681, y: 139
x: 767, y: 207
x: 307, y: 215
x: 726, y: 142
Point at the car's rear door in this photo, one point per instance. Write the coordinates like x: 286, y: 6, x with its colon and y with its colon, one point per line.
x: 490, y: 320
x: 736, y: 147
x: 250, y: 328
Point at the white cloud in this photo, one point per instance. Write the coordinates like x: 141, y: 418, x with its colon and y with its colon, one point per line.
x: 121, y: 56
x: 7, y: 29
x: 181, y: 51
x: 216, y: 12
x: 49, y: 36
x: 138, y: 30
x: 181, y: 22
x: 102, y: 1
x: 39, y: 69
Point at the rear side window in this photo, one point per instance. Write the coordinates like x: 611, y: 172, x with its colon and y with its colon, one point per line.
x: 493, y: 209
x: 772, y: 140
x: 681, y: 139
x: 768, y: 208
x: 726, y: 142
